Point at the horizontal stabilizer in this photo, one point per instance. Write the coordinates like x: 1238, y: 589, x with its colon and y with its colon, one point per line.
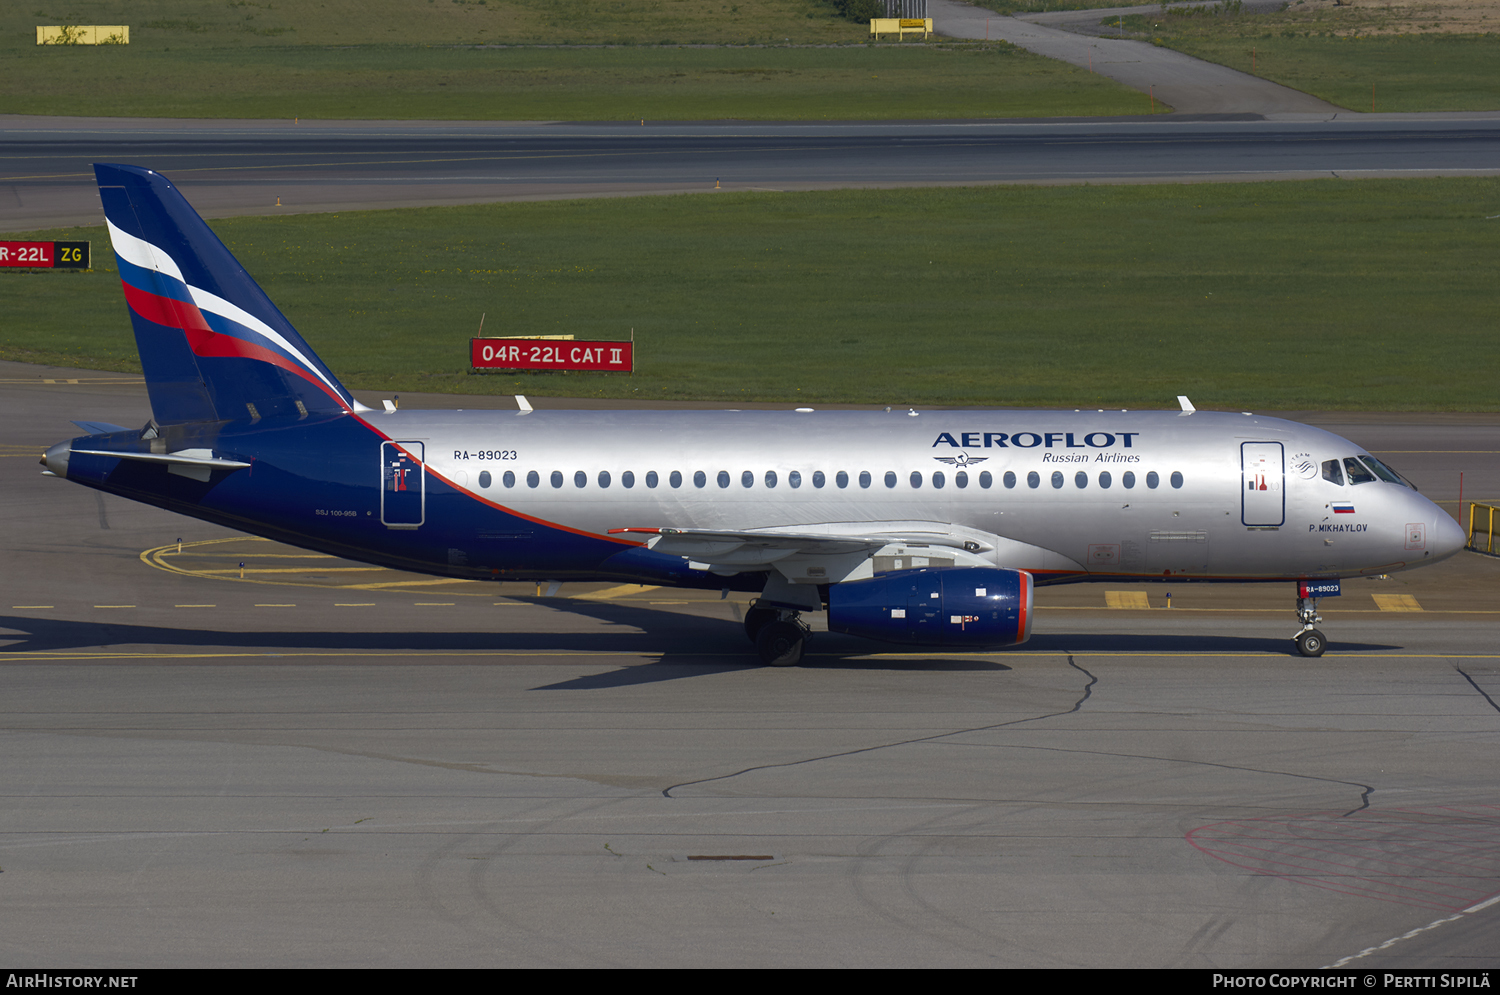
x: 100, y: 427
x: 183, y: 457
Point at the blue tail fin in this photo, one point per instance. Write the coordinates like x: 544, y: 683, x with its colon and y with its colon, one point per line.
x: 213, y: 346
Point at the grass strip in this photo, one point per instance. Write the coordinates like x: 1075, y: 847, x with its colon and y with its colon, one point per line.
x: 960, y: 80
x: 1356, y: 57
x: 1373, y: 294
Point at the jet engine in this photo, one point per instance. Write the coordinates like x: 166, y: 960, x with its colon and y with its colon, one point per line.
x: 942, y: 606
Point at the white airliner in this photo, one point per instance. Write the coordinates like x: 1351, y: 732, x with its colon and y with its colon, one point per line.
x: 919, y: 527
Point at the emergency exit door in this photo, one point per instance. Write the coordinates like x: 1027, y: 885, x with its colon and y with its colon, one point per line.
x: 1262, y: 483
x: 403, y: 485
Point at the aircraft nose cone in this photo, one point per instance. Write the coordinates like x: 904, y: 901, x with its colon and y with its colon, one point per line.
x: 56, y: 458
x: 1448, y: 537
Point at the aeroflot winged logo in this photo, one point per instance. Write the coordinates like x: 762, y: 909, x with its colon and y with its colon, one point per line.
x: 962, y: 459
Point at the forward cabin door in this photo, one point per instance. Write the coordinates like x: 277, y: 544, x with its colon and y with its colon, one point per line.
x: 403, y: 485
x: 1262, y: 483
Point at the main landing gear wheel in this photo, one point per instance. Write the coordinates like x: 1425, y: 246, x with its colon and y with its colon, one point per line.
x: 1311, y: 642
x: 780, y: 643
x: 756, y: 618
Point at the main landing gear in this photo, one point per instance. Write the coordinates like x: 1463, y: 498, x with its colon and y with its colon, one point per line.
x: 779, y: 634
x: 1310, y: 641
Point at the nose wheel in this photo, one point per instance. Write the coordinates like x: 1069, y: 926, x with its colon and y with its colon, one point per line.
x: 1310, y: 641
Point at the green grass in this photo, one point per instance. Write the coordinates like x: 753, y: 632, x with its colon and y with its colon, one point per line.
x: 1401, y: 73
x: 224, y: 24
x: 1344, y: 55
x: 841, y: 83
x: 1327, y: 294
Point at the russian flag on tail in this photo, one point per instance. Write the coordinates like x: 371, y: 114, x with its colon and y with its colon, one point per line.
x: 212, y: 345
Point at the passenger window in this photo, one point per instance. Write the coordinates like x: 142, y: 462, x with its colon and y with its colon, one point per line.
x: 1332, y: 472
x: 961, y: 479
x: 557, y: 478
x: 1128, y: 479
x: 916, y: 479
x: 580, y: 479
x: 603, y: 478
x: 818, y: 479
x: 700, y: 479
x: 532, y: 479
x: 985, y: 480
x: 747, y: 479
x: 794, y: 478
x: 484, y: 478
x: 1080, y: 480
x: 1009, y: 480
x: 509, y: 480
x: 1176, y: 480
x: 1105, y: 479
x: 1152, y: 480
x: 890, y: 478
x: 723, y: 478
x: 1033, y: 480
x: 1057, y: 480
x: 864, y: 478
x: 1358, y: 474
x: 676, y: 479
x: 652, y: 479
x: 770, y: 479
x: 938, y: 480
x: 627, y: 479
x: 843, y: 479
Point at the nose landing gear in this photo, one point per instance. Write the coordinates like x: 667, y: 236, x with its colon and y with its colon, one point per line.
x: 1310, y: 641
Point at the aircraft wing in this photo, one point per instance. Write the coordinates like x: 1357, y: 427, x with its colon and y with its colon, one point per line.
x: 747, y: 549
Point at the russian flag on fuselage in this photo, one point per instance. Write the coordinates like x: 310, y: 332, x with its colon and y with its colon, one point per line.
x: 213, y: 346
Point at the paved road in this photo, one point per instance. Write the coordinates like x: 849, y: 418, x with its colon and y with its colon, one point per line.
x: 245, y: 167
x: 322, y: 768
x: 1188, y: 85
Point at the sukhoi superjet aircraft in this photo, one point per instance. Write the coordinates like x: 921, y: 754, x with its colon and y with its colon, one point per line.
x: 920, y: 527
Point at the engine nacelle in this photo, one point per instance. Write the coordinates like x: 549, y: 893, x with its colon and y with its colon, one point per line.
x: 943, y: 606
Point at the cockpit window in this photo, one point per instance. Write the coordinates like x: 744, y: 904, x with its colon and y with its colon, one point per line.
x: 1358, y: 474
x: 1332, y: 472
x: 1383, y: 472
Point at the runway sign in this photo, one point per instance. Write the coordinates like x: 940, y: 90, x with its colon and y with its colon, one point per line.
x: 45, y: 255
x: 541, y: 354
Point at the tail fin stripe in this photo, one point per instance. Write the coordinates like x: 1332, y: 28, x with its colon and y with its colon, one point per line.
x: 165, y: 310
x: 157, y: 293
x: 229, y: 319
x: 208, y: 344
x: 139, y: 252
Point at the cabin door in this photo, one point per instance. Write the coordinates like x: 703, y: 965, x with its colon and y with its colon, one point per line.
x: 1262, y: 483
x: 403, y: 485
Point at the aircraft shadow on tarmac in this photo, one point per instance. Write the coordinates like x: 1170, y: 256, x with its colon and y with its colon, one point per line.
x: 684, y: 645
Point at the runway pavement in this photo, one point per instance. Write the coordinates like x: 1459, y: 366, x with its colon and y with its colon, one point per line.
x: 325, y: 765
x: 280, y: 167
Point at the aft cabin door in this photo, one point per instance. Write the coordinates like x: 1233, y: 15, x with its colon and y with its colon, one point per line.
x: 403, y: 485
x: 1262, y: 483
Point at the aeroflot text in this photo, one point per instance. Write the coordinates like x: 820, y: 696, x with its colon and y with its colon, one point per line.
x: 1030, y: 440
x: 1477, y: 980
